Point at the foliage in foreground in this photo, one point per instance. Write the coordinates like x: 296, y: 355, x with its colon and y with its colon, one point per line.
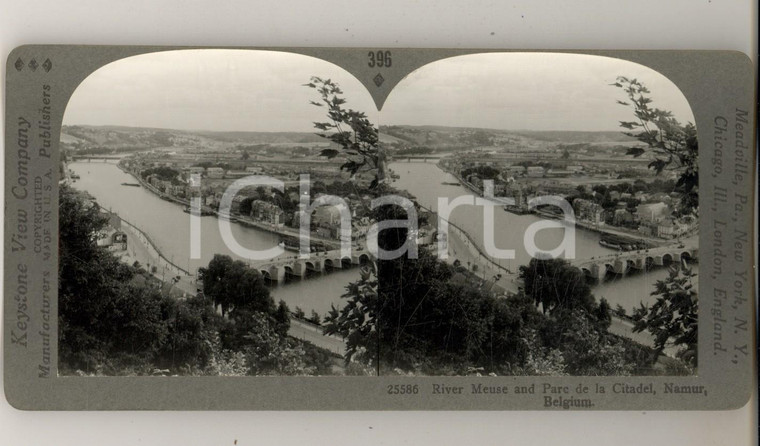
x: 673, y: 145
x: 114, y: 319
x: 673, y: 318
x: 428, y: 317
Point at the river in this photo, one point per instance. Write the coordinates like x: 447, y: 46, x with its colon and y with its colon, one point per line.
x: 425, y: 181
x: 169, y: 227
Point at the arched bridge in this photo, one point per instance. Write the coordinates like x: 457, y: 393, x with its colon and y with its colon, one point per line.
x: 623, y: 263
x: 95, y: 158
x: 295, y: 267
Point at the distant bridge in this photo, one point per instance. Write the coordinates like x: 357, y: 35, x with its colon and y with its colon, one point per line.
x: 416, y: 158
x: 95, y: 158
x: 317, y: 263
x: 622, y: 263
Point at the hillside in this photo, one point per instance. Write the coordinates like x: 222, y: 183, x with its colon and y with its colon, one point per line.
x: 426, y: 139
x: 446, y: 139
x: 119, y: 138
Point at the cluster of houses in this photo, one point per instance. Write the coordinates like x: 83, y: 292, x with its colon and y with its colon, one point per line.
x: 177, y: 189
x: 517, y: 170
x: 654, y: 219
x: 325, y: 220
x: 559, y: 168
x: 266, y: 212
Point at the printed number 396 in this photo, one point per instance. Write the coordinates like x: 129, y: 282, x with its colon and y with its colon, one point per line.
x: 379, y: 59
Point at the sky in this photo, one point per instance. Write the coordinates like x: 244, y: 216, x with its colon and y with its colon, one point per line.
x: 226, y: 90
x: 244, y: 90
x: 532, y: 91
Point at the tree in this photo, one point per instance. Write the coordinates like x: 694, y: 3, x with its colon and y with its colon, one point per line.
x: 213, y: 281
x: 190, y: 329
x: 282, y: 318
x: 508, y: 343
x: 115, y: 320
x: 427, y: 318
x: 555, y: 284
x: 112, y: 318
x: 162, y: 172
x: 268, y: 353
x: 590, y: 351
x: 673, y: 318
x: 356, y: 321
x: 233, y: 285
x: 673, y: 145
x: 482, y: 172
x: 88, y: 278
x: 246, y: 204
x: 603, y: 313
x: 351, y: 130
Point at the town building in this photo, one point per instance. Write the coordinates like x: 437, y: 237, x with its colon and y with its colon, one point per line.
x: 514, y: 170
x: 112, y: 237
x: 652, y: 212
x: 622, y: 217
x: 215, y: 172
x: 237, y: 200
x: 535, y: 171
x: 558, y: 173
x: 327, y: 216
x: 266, y: 212
x: 670, y: 228
x: 587, y: 210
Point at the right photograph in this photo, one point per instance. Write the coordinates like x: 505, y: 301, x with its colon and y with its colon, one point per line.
x: 556, y: 205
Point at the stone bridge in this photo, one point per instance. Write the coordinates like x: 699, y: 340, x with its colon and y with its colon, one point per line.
x: 96, y: 159
x: 622, y: 263
x: 317, y: 263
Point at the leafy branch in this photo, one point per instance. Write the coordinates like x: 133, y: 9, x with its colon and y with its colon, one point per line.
x: 674, y: 146
x: 672, y: 319
x: 351, y: 130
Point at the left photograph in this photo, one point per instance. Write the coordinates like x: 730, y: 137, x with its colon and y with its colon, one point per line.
x: 206, y: 226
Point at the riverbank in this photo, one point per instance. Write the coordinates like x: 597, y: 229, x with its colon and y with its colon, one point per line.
x: 587, y: 226
x: 282, y: 231
x: 462, y: 248
x: 168, y: 227
x: 138, y: 250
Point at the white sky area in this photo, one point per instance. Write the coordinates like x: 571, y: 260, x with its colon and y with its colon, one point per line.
x: 532, y: 91
x: 226, y: 90
x: 244, y: 90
